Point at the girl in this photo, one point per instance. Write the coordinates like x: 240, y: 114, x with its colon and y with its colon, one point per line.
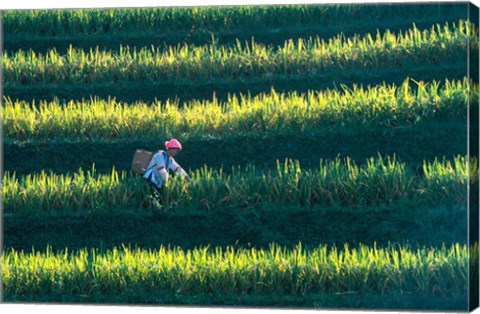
x: 157, y: 171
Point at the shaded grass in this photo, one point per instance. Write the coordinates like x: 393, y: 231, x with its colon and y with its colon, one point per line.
x: 425, y: 141
x: 131, y: 91
x: 403, y: 223
x: 386, y: 302
x: 274, y: 36
x: 57, y: 23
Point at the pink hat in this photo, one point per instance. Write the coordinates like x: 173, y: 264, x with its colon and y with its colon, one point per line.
x: 173, y: 143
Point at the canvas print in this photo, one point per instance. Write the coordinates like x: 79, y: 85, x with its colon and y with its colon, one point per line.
x: 317, y: 156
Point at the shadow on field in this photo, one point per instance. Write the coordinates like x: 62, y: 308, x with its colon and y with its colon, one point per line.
x: 201, y: 88
x: 253, y: 228
x: 415, y: 144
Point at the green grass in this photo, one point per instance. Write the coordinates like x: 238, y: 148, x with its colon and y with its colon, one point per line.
x: 400, y: 223
x: 425, y: 140
x: 336, y: 182
x: 314, y: 56
x: 56, y: 23
x: 109, y: 28
x: 133, y: 273
x: 383, y: 106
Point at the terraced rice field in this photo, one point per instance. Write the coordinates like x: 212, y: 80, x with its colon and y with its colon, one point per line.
x: 331, y: 157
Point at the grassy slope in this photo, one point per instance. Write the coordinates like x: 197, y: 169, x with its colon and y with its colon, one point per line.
x: 326, y: 301
x: 398, y: 223
x: 269, y: 114
x: 268, y: 24
x: 205, y: 89
x: 277, y: 271
x: 340, y: 65
x: 424, y: 141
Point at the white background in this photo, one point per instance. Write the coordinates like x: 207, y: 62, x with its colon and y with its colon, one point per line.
x: 30, y: 4
x: 73, y: 309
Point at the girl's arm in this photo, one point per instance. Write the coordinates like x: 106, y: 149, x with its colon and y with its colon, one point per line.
x: 175, y: 167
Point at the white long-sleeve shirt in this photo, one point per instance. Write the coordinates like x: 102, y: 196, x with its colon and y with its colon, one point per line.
x: 157, y: 171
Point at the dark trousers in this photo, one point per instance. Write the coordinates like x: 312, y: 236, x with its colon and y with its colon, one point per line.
x: 156, y: 192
